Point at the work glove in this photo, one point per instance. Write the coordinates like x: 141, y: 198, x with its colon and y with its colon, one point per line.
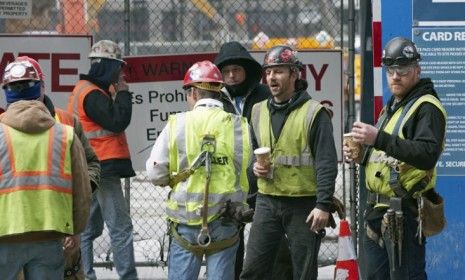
x: 336, y: 207
x: 235, y: 213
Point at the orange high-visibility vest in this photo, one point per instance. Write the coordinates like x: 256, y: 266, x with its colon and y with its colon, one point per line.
x: 64, y: 117
x: 35, y: 180
x: 106, y: 144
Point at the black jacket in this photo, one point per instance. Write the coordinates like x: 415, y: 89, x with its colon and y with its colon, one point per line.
x: 424, y: 131
x: 113, y: 115
x: 321, y: 143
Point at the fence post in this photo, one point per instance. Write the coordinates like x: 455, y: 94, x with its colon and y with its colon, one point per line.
x: 127, y: 27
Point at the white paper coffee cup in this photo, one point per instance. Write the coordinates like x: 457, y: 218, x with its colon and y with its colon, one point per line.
x: 355, y: 147
x: 262, y: 155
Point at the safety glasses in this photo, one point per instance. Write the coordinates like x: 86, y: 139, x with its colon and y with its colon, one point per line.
x: 400, y: 70
x: 20, y: 85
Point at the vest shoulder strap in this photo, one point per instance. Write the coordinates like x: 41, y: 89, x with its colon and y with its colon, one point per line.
x: 64, y: 117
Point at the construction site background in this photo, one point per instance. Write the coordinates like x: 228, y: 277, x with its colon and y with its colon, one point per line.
x: 148, y: 27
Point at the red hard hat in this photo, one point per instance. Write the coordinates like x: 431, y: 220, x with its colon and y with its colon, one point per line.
x: 204, y: 75
x: 34, y: 63
x: 22, y: 69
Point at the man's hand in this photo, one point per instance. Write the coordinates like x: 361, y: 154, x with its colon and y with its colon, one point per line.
x: 350, y: 154
x: 121, y: 84
x: 71, y: 243
x: 364, y: 133
x: 317, y: 219
x: 261, y: 171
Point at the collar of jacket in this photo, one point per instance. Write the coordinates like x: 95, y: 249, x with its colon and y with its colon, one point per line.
x: 208, y: 102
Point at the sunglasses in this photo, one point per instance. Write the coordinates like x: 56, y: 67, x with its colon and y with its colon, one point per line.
x: 400, y: 70
x: 20, y: 86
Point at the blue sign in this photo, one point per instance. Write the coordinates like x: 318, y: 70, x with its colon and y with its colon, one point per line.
x: 443, y: 60
x: 438, y: 12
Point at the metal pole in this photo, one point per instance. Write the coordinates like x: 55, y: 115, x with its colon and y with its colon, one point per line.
x: 127, y: 27
x: 367, y: 99
x: 341, y: 46
x: 341, y: 18
x: 351, y: 119
x: 127, y: 41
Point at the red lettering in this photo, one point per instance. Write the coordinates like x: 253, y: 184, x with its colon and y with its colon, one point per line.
x: 57, y: 71
x: 318, y: 76
x: 36, y: 56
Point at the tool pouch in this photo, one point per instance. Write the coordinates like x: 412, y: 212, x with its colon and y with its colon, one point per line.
x: 432, y: 213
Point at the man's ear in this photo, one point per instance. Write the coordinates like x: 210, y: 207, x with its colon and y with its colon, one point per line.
x: 294, y: 75
x: 195, y: 94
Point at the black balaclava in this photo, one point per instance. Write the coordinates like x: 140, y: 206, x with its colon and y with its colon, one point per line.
x: 105, y: 71
x: 240, y: 89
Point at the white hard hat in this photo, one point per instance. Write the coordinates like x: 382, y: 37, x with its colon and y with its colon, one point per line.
x: 106, y: 49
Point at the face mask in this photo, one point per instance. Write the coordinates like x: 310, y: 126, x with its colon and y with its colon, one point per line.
x: 32, y: 93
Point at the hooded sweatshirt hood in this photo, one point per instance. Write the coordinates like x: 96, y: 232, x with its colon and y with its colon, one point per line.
x: 105, y: 71
x: 234, y: 53
x: 28, y: 116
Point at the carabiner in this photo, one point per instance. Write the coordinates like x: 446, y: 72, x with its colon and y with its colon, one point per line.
x: 204, y: 239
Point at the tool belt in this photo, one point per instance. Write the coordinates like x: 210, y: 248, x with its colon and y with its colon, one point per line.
x: 74, y: 269
x: 198, y: 250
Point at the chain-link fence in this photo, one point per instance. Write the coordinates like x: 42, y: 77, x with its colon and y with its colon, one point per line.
x: 147, y: 27
x: 185, y: 26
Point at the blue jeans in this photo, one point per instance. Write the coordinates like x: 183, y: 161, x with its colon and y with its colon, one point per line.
x: 184, y: 265
x: 40, y: 260
x: 275, y: 217
x: 378, y: 258
x: 108, y: 205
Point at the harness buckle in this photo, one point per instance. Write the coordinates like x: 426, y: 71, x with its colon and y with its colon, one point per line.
x: 204, y: 239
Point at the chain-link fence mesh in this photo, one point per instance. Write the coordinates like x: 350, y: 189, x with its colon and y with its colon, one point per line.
x: 147, y: 27
x: 184, y: 26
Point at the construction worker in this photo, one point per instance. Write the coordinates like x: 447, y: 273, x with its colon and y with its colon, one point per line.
x: 295, y: 191
x: 214, y: 148
x: 72, y: 261
x: 45, y: 188
x: 102, y: 103
x: 242, y: 89
x: 400, y: 164
x: 241, y: 75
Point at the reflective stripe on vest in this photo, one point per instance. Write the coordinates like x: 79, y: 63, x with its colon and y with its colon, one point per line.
x: 106, y: 144
x: 64, y: 117
x: 35, y: 171
x: 293, y: 166
x: 377, y: 169
x: 228, y: 180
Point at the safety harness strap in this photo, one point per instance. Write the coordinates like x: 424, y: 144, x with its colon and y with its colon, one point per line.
x: 198, y: 250
x: 394, y: 179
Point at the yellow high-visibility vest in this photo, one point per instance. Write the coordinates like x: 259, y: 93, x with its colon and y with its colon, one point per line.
x: 378, y: 168
x: 229, y: 163
x: 35, y: 180
x: 293, y: 167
